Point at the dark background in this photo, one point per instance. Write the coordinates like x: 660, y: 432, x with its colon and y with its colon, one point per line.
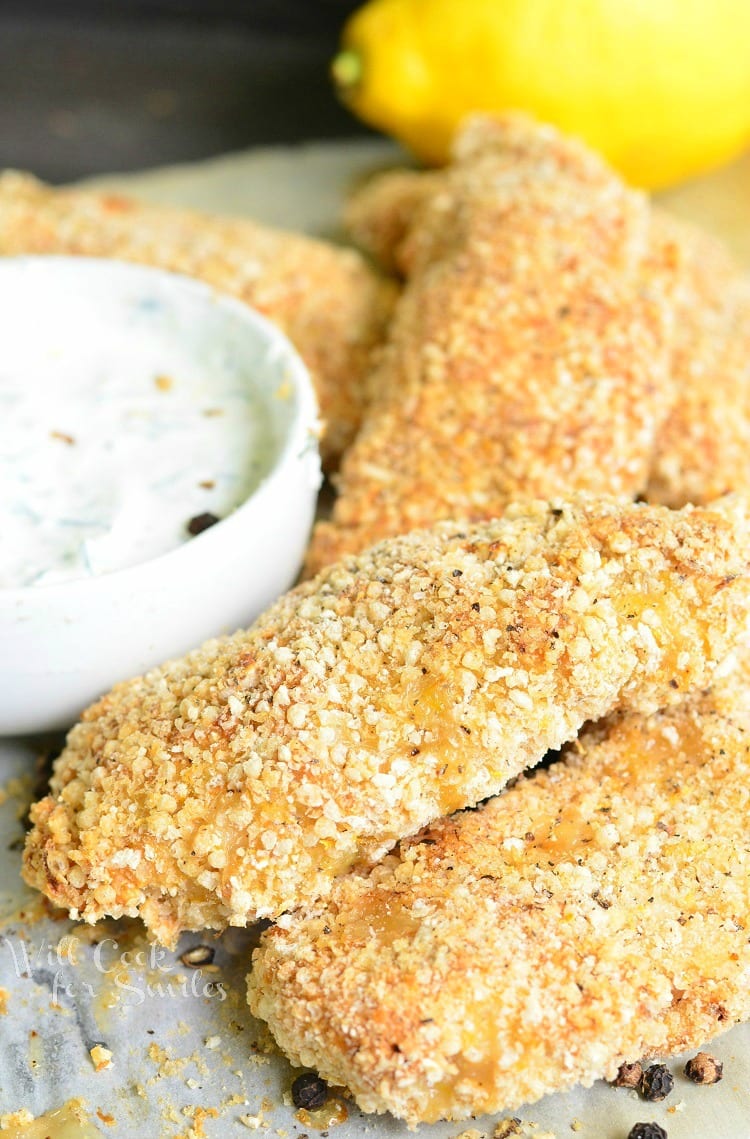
x: 88, y: 86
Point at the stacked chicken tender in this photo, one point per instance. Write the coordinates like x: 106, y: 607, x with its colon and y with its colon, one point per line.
x: 554, y: 332
x: 487, y: 591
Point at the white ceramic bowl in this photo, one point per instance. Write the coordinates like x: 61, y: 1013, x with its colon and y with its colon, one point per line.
x: 64, y: 644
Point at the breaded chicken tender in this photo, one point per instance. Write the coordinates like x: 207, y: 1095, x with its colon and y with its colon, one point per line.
x: 332, y: 306
x: 703, y: 448
x: 594, y: 913
x: 380, y: 213
x: 401, y: 685
x: 529, y: 353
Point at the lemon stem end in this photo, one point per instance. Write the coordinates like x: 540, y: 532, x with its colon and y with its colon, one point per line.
x: 346, y: 70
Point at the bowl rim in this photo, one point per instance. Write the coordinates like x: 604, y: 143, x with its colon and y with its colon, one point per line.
x: 300, y: 439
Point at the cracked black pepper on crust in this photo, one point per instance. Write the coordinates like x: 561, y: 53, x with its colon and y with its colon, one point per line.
x: 594, y: 912
x: 405, y: 683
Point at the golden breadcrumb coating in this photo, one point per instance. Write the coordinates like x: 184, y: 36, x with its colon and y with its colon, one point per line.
x: 380, y: 213
x: 413, y: 680
x: 595, y: 912
x: 326, y: 299
x: 528, y: 355
x: 703, y: 449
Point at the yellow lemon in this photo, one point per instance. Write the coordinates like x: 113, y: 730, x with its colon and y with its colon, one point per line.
x: 660, y: 87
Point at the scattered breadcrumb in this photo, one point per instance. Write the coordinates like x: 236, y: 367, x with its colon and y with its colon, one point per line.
x: 167, y: 1065
x: 199, y: 1115
x: 67, y: 947
x: 101, y: 1058
x: 507, y: 1127
x: 526, y: 1129
x: 19, y: 1118
x: 18, y: 787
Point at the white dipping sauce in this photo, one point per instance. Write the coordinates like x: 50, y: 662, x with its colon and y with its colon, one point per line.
x: 116, y: 429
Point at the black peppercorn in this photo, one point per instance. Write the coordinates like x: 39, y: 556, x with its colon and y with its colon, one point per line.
x: 704, y: 1069
x: 200, y: 523
x: 647, y: 1131
x: 629, y: 1075
x: 656, y: 1083
x: 309, y: 1091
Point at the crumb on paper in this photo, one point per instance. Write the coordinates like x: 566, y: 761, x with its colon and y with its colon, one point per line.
x: 576, y: 1125
x: 167, y: 1065
x: 676, y: 1107
x: 16, y: 1119
x: 527, y: 1129
x: 101, y: 1058
x: 67, y: 948
x: 200, y: 1063
x: 197, y: 957
x: 252, y: 1121
x: 18, y: 787
x: 199, y: 1115
x: 107, y: 1119
x: 212, y: 1042
x: 163, y: 383
x: 506, y: 1127
x: 4, y: 996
